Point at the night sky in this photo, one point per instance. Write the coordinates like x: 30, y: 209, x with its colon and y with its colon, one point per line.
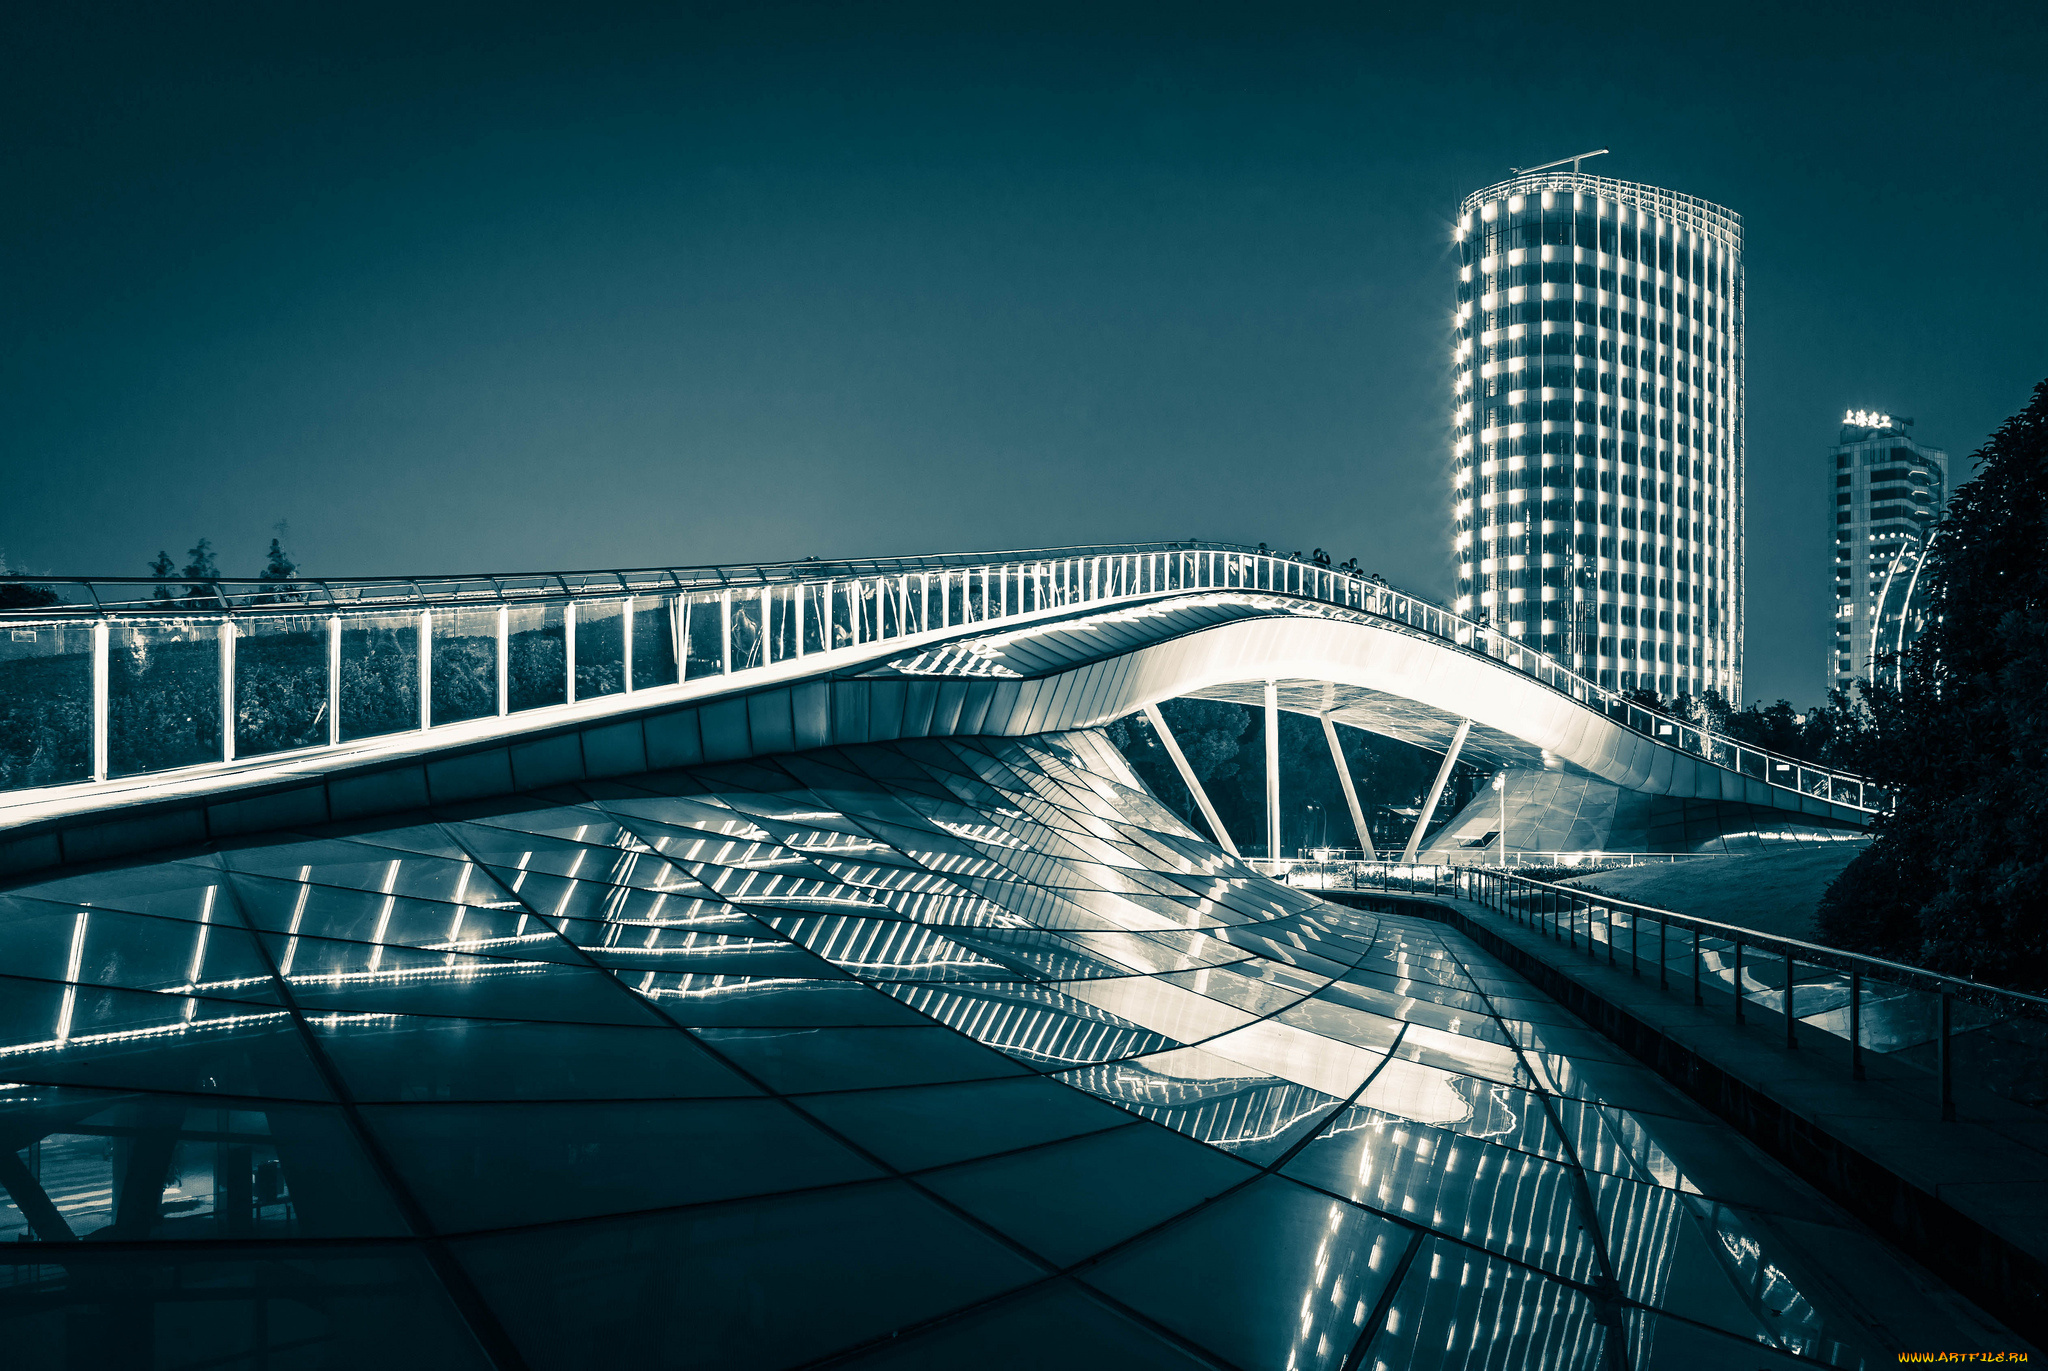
x: 456, y: 290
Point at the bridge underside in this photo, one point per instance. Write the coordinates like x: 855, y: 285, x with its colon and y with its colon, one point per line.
x: 929, y: 1052
x: 1069, y: 671
x: 1558, y: 812
x: 1553, y: 804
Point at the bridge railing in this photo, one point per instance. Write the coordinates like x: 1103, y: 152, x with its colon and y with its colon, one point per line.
x: 107, y: 678
x: 1948, y: 1027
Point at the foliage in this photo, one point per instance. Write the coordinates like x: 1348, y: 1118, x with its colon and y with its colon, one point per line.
x: 26, y: 597
x: 281, y: 687
x: 45, y: 718
x: 1957, y: 876
x: 1836, y: 734
x: 202, y: 566
x: 278, y: 564
x: 163, y: 700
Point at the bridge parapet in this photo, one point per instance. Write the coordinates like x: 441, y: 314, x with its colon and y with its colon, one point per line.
x: 105, y: 680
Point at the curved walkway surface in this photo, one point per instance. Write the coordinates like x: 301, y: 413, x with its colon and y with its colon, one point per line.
x: 1011, y: 644
x: 921, y: 1053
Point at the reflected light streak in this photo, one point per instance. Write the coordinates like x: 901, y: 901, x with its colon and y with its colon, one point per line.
x: 71, y: 978
x: 384, y: 916
x: 291, y: 947
x: 124, y: 1035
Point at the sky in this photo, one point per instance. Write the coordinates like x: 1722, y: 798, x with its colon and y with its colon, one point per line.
x: 454, y: 289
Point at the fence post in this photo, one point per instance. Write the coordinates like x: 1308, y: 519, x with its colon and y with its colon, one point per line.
x: 100, y: 632
x: 1791, y: 1024
x: 333, y: 679
x: 569, y: 650
x: 426, y: 630
x: 1948, y: 1103
x: 1855, y: 1025
x: 227, y: 690
x: 1698, y: 1000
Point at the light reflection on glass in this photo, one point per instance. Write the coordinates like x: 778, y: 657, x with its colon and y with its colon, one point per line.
x: 1456, y: 1173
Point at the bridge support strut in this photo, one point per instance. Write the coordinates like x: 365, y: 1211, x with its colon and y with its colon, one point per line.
x: 1436, y: 791
x: 1350, y: 790
x: 1273, y: 771
x: 1187, y: 776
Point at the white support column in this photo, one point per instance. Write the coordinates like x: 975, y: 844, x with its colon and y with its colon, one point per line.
x: 1273, y: 771
x: 227, y: 690
x: 333, y: 679
x: 504, y: 661
x: 426, y: 669
x: 1436, y: 790
x: 765, y: 636
x: 1350, y: 790
x: 569, y: 651
x: 799, y: 595
x: 626, y: 623
x: 100, y: 633
x: 725, y: 632
x: 1187, y: 776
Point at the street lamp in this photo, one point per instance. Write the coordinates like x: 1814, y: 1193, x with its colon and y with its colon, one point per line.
x: 1500, y: 783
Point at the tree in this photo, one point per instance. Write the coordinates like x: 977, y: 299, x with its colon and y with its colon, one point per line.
x: 201, y: 567
x: 279, y: 566
x: 1956, y: 878
x: 163, y: 568
x: 20, y: 596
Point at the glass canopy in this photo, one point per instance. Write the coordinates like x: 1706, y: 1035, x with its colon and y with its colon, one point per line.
x: 922, y: 1054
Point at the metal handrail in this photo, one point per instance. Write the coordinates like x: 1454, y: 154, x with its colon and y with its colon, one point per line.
x: 1811, y: 951
x: 1155, y: 571
x: 1555, y: 911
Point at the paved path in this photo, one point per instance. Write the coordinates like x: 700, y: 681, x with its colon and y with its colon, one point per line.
x: 1877, y: 1145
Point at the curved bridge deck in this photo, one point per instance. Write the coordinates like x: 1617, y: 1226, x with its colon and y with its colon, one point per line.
x: 361, y: 696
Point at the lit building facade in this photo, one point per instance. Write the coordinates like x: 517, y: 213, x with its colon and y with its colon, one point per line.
x: 1889, y: 490
x: 1597, y: 433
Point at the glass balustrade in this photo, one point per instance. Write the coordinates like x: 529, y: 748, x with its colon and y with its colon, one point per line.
x: 380, y: 674
x: 600, y: 657
x: 655, y: 657
x: 282, y: 683
x: 463, y: 677
x: 46, y: 704
x: 537, y: 656
x: 344, y: 660
x: 1961, y: 1036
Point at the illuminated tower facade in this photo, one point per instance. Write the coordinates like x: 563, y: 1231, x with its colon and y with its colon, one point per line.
x: 1597, y: 430
x: 1889, y: 490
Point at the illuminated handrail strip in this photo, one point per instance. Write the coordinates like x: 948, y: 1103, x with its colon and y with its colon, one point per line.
x: 755, y: 617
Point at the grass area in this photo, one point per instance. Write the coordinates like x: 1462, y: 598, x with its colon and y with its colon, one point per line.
x: 1775, y: 891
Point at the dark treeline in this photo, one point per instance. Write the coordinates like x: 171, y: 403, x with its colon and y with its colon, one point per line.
x: 1225, y: 745
x: 201, y: 566
x: 1956, y: 878
x: 1836, y: 734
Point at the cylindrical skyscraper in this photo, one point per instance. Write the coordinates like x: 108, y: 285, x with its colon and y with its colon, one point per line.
x: 1597, y: 431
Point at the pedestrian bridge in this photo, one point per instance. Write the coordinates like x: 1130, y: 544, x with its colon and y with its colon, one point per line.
x: 135, y: 714
x: 777, y: 965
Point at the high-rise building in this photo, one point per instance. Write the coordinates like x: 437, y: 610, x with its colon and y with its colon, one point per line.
x: 1597, y: 448
x: 1889, y: 490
